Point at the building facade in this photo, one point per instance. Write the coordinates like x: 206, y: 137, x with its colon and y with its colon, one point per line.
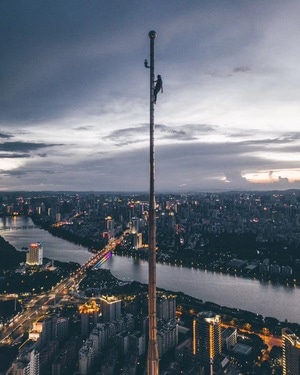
x: 110, y: 308
x: 34, y: 257
x: 290, y: 352
x: 207, y: 339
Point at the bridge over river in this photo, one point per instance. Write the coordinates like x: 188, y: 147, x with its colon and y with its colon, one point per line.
x: 34, y: 306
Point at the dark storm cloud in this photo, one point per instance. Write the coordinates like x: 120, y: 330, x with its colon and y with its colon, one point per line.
x: 268, y: 141
x: 241, y: 69
x: 287, y: 149
x: 187, y: 164
x: 219, y: 74
x: 293, y: 136
x: 47, y: 51
x: 23, y: 172
x: 241, y: 134
x: 200, y: 128
x: 57, y: 56
x: 84, y: 128
x: 127, y: 132
x: 72, y: 72
x: 189, y: 132
x: 127, y: 136
x: 228, y: 73
x: 5, y: 135
x: 283, y: 143
x: 24, y: 146
x: 187, y: 155
x: 281, y: 139
x: 171, y: 133
x: 13, y: 156
x: 211, y: 158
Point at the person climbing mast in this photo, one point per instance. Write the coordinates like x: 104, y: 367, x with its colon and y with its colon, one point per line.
x: 158, y: 87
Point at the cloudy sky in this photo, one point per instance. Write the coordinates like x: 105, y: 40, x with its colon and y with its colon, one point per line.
x: 74, y: 94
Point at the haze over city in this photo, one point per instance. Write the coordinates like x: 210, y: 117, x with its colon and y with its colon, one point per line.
x: 74, y: 108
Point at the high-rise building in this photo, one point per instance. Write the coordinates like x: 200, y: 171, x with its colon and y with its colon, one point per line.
x: 66, y: 360
x: 138, y: 343
x: 290, y: 352
x: 34, y: 257
x: 167, y: 336
x: 110, y: 308
x: 229, y: 338
x: 106, y: 333
x: 47, y: 355
x: 207, y: 339
x: 166, y: 307
x: 110, y: 227
x: 85, y: 359
x: 171, y: 220
x: 27, y: 361
x: 137, y: 240
x: 60, y: 327
x: 134, y: 226
x: 122, y: 340
x: 89, y: 313
x: 43, y: 326
x: 49, y: 328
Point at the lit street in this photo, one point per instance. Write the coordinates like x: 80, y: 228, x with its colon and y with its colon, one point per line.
x: 38, y: 305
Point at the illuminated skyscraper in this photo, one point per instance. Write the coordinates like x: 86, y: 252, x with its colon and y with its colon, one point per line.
x: 290, y: 352
x: 207, y: 339
x: 134, y: 227
x: 110, y: 225
x: 138, y: 241
x: 34, y: 257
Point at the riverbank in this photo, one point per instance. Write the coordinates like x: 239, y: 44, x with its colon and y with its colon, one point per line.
x: 187, y: 307
x: 265, y: 298
x: 141, y: 254
x: 60, y: 231
x: 10, y: 257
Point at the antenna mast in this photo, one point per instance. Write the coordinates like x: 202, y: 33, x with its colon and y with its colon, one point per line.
x: 153, y: 358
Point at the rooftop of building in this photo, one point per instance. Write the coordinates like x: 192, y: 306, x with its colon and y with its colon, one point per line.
x: 242, y: 349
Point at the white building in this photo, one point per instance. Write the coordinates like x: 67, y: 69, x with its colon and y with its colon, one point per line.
x: 137, y: 240
x: 34, y: 257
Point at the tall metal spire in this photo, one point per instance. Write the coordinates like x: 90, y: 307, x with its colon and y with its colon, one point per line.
x: 153, y: 359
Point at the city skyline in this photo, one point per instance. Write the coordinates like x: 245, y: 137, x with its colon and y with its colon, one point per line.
x: 75, y: 95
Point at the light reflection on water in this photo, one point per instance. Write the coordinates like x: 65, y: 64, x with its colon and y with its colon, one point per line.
x: 265, y: 298
x: 54, y: 247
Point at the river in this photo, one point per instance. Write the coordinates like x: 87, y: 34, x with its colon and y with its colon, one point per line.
x: 265, y: 298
